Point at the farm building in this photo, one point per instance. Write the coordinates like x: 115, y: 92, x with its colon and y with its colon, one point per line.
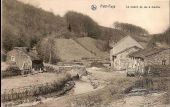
x: 153, y: 56
x: 119, y: 53
x: 25, y: 59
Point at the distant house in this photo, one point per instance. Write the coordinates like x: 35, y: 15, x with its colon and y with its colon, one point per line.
x: 25, y: 59
x: 119, y: 53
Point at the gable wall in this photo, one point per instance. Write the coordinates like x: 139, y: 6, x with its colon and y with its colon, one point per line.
x: 157, y: 58
x: 20, y: 58
x: 122, y: 60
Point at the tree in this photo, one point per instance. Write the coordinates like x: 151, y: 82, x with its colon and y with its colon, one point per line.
x: 130, y: 28
x: 82, y: 25
x: 47, y: 51
x: 162, y: 38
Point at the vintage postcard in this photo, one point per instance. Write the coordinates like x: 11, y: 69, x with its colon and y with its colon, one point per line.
x: 85, y: 53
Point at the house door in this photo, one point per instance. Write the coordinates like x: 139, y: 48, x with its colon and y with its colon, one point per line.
x: 113, y: 58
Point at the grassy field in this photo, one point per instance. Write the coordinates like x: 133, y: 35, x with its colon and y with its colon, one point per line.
x: 85, y: 47
x: 31, y: 80
x: 68, y: 49
x: 90, y: 44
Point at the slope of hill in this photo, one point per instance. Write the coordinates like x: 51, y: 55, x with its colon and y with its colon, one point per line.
x: 68, y: 49
x: 90, y: 44
x: 162, y: 39
x: 26, y: 25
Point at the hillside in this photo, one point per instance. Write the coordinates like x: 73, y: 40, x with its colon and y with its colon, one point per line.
x: 25, y: 25
x: 111, y: 34
x: 63, y: 49
x: 90, y: 44
x: 162, y: 39
x: 70, y: 49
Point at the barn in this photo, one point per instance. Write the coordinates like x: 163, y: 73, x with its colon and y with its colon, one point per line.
x: 25, y: 59
x: 119, y: 53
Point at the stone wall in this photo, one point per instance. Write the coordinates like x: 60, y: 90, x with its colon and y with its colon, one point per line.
x: 73, y: 70
x: 122, y: 60
x: 157, y: 58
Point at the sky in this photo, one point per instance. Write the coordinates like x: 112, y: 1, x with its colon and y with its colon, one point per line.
x: 155, y: 20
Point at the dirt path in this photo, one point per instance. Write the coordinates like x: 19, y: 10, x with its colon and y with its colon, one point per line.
x: 84, y: 87
x: 104, y: 74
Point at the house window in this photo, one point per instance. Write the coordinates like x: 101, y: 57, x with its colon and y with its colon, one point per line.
x: 12, y: 58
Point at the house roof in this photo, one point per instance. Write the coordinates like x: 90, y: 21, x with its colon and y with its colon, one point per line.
x: 125, y: 43
x: 27, y: 51
x: 23, y: 49
x: 128, y: 49
x: 147, y: 52
x: 33, y: 56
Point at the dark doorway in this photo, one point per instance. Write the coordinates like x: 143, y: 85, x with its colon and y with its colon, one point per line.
x: 164, y: 62
x: 37, y: 65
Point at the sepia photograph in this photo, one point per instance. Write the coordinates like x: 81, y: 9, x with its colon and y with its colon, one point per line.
x: 85, y: 53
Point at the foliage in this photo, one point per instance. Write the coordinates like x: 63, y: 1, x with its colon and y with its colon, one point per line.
x: 130, y: 29
x: 47, y: 51
x: 11, y: 70
x: 25, y: 25
x: 82, y: 24
x: 163, y: 38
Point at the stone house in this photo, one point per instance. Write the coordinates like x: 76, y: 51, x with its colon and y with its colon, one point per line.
x: 119, y: 54
x: 25, y: 59
x: 153, y: 56
x: 149, y: 57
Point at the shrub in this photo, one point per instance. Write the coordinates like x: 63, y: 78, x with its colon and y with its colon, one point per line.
x: 12, y: 70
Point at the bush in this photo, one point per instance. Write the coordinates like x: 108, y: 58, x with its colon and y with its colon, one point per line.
x: 158, y: 70
x: 12, y: 70
x: 97, y: 64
